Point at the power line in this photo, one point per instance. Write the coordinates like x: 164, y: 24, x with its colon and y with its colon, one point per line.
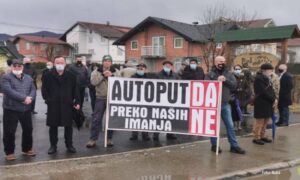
x: 30, y: 26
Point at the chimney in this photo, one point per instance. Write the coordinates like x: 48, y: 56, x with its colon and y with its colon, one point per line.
x: 107, y: 23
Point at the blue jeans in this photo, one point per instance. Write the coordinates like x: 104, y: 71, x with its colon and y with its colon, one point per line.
x: 284, y: 114
x: 227, y: 119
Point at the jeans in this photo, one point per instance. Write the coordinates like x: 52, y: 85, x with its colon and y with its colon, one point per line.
x: 227, y: 119
x: 284, y: 114
x: 10, y: 123
x: 100, y: 107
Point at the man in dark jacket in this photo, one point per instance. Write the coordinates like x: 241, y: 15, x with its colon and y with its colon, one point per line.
x: 61, y: 95
x: 140, y: 73
x: 263, y: 103
x: 220, y: 73
x: 193, y: 71
x: 49, y: 66
x: 82, y: 77
x: 30, y: 70
x: 19, y: 93
x: 166, y: 73
x: 285, y: 95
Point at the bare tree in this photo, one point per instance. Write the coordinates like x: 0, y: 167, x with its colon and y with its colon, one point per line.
x: 219, y: 18
x: 50, y: 52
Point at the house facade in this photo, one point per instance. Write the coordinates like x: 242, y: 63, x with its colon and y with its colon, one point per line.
x: 92, y: 41
x: 265, y: 47
x: 7, y: 51
x: 156, y: 44
x: 41, y: 49
x: 155, y: 39
x: 293, y: 46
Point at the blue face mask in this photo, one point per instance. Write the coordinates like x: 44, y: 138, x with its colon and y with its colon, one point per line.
x: 167, y: 70
x: 193, y: 66
x: 140, y: 72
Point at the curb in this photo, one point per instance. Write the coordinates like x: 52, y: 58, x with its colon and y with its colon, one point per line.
x: 259, y: 171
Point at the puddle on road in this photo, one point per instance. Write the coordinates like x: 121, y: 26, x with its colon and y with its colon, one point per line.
x: 285, y: 174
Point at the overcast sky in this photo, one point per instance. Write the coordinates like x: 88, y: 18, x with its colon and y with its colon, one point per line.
x: 21, y: 16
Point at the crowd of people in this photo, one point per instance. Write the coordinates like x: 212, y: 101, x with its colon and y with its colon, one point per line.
x: 63, y: 90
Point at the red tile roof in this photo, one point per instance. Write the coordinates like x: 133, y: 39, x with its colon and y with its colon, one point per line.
x: 106, y: 30
x: 40, y: 39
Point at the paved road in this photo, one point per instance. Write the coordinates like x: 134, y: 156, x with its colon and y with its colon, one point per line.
x: 121, y: 139
x: 191, y: 161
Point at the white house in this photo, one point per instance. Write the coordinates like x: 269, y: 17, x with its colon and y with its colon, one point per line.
x: 93, y: 41
x: 293, y: 50
x: 266, y: 47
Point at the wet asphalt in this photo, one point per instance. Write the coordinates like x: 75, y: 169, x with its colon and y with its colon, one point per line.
x: 80, y: 138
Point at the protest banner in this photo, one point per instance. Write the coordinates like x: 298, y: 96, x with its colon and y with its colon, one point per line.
x: 190, y: 107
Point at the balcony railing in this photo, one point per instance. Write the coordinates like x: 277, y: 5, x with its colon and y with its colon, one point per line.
x: 153, y: 51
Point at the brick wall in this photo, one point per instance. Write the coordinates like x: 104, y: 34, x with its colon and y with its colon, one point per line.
x: 38, y: 53
x: 144, y: 38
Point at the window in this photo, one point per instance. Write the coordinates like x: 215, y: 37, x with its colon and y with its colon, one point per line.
x: 90, y: 39
x: 27, y: 46
x: 134, y: 45
x: 76, y: 48
x: 178, y: 42
x: 18, y: 47
x: 91, y: 51
x: 43, y: 47
x: 177, y: 64
x: 133, y: 61
x: 58, y: 49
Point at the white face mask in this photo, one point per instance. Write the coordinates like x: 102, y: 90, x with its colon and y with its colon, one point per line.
x: 60, y: 67
x: 17, y: 72
x: 49, y: 67
x: 238, y: 71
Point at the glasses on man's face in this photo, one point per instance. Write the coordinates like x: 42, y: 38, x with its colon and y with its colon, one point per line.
x: 237, y: 69
x: 17, y: 65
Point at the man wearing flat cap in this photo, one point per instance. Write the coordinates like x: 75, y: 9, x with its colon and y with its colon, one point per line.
x: 19, y: 92
x: 166, y: 73
x: 263, y: 103
x: 193, y: 71
x: 141, y: 72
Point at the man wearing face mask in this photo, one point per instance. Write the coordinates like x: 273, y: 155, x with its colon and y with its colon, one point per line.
x: 166, y: 73
x: 18, y: 95
x: 193, y: 71
x: 140, y: 73
x: 263, y: 103
x: 285, y: 95
x: 49, y: 66
x: 219, y: 72
x: 30, y: 70
x: 82, y: 77
x: 61, y: 95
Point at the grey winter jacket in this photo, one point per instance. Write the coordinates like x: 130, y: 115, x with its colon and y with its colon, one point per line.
x: 228, y: 86
x: 15, y: 91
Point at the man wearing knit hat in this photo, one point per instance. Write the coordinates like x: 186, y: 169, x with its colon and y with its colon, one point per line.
x: 99, y: 79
